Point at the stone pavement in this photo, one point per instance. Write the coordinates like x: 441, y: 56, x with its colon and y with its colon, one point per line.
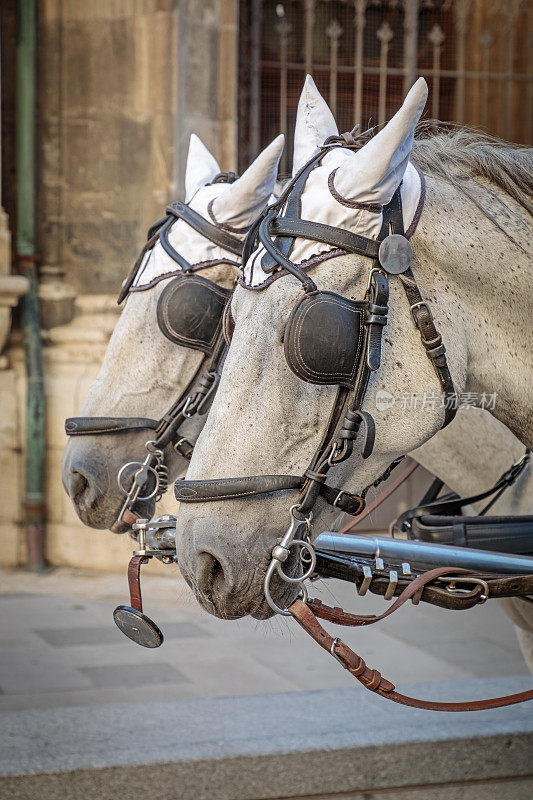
x: 60, y: 646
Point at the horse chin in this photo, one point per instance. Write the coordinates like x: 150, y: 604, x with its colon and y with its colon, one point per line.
x: 222, y: 610
x: 144, y: 510
x: 283, y: 597
x: 104, y: 516
x: 263, y: 611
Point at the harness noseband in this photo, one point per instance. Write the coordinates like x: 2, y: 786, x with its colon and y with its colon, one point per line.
x: 203, y: 298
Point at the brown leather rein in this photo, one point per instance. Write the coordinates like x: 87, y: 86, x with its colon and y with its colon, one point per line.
x: 306, y: 615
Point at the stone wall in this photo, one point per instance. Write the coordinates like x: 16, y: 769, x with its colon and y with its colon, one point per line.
x: 122, y: 84
x: 72, y: 356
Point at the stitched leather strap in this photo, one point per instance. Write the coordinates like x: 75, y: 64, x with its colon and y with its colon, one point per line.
x: 376, y: 319
x: 339, y: 237
x: 231, y: 488
x: 206, y: 491
x: 372, y: 678
x: 81, y: 426
x: 207, y: 229
x: 421, y: 313
x: 134, y: 581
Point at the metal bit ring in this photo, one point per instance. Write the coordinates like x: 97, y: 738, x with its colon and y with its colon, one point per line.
x: 312, y: 563
x: 128, y: 491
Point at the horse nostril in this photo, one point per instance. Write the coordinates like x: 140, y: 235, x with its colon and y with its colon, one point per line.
x: 211, y: 576
x: 79, y: 485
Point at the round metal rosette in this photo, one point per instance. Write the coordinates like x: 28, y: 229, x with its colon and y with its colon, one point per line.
x: 137, y: 626
x: 395, y: 254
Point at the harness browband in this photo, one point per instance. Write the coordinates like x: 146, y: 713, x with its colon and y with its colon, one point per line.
x: 347, y: 417
x: 199, y: 391
x: 161, y: 229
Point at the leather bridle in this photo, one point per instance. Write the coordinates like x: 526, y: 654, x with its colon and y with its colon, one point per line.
x: 348, y: 422
x: 195, y: 399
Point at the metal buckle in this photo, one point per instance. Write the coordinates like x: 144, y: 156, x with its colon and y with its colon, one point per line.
x: 370, y: 274
x: 186, y: 405
x: 421, y: 304
x: 463, y: 579
x: 334, y: 644
x: 338, y: 498
x: 331, y: 456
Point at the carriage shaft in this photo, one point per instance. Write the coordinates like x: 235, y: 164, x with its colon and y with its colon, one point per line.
x: 423, y: 554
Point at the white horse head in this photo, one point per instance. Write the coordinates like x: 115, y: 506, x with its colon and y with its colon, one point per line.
x: 143, y: 372
x: 267, y: 421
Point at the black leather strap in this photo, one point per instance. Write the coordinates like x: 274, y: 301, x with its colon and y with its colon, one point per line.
x: 452, y: 505
x: 254, y: 485
x: 422, y: 316
x: 81, y: 426
x: 127, y: 283
x: 169, y: 249
x: 218, y: 236
x: 376, y: 319
x: 273, y: 250
x: 291, y: 195
x: 231, y: 488
x: 318, y: 232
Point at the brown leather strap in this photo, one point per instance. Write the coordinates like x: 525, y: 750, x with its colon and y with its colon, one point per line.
x: 432, y: 341
x: 341, y: 617
x: 381, y: 499
x: 134, y: 581
x: 351, y: 568
x: 372, y: 678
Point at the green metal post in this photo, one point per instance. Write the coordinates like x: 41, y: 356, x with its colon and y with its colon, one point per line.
x: 34, y: 500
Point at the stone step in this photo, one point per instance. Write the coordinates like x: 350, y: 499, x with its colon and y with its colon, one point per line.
x: 343, y: 742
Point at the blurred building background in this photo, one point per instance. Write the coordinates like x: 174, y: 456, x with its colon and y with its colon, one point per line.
x: 121, y: 84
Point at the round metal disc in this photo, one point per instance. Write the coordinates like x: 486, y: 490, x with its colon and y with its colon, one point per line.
x: 137, y: 626
x: 395, y: 254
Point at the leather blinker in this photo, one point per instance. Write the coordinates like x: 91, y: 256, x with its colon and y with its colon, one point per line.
x: 324, y: 337
x: 190, y: 310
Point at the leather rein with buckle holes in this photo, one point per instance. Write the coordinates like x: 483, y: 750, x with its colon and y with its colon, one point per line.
x: 306, y: 615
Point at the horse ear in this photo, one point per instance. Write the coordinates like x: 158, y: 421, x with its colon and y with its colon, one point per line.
x: 243, y: 200
x: 201, y: 167
x: 314, y: 123
x: 374, y: 173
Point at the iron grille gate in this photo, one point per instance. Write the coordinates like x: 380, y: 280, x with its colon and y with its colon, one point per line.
x: 477, y: 56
